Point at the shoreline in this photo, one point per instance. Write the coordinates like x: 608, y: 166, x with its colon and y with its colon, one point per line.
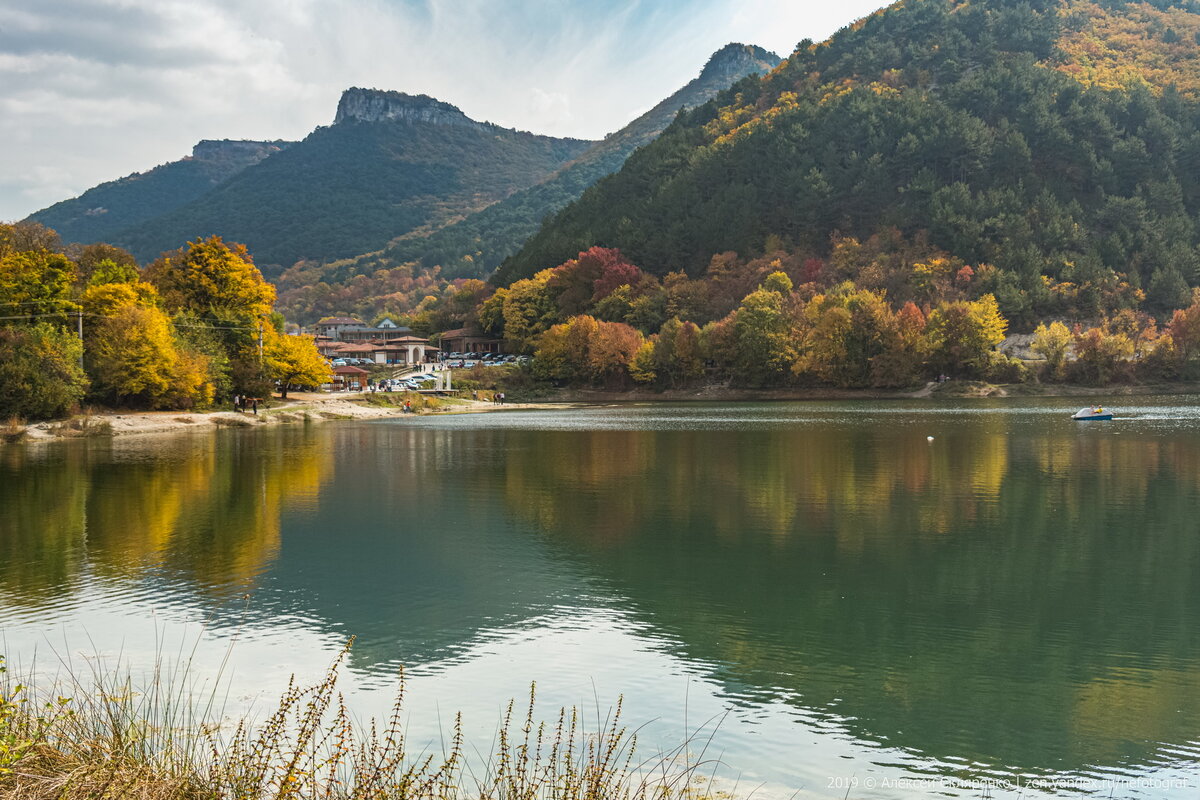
x: 951, y: 390
x: 298, y: 408
x: 320, y: 407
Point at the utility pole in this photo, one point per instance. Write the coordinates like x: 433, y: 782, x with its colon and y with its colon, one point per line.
x: 79, y: 328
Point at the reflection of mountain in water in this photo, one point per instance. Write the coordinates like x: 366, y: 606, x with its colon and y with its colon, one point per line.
x: 1009, y: 594
x: 406, y: 555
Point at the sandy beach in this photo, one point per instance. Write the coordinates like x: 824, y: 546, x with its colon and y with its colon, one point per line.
x: 299, y: 407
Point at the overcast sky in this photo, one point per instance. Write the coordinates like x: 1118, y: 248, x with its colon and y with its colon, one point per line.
x: 92, y: 90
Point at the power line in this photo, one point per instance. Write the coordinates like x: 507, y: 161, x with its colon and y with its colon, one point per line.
x: 38, y: 302
x: 109, y: 316
x: 39, y: 316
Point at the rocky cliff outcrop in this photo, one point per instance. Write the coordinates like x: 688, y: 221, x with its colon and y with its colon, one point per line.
x: 242, y: 151
x: 735, y: 61
x: 376, y: 105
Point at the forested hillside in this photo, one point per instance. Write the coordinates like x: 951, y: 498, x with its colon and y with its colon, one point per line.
x: 1056, y: 144
x: 475, y: 246
x: 354, y: 186
x: 101, y: 213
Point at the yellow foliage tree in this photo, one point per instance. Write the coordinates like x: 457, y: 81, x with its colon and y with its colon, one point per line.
x: 212, y: 278
x: 962, y: 335
x: 103, y: 300
x: 641, y: 367
x: 36, y: 282
x: 136, y: 361
x: 294, y: 359
x: 1052, y: 343
x: 529, y: 310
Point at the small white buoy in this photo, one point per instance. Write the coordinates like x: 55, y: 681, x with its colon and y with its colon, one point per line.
x: 929, y: 438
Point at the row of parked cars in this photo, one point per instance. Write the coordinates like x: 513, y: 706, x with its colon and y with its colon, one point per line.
x: 354, y: 362
x: 468, y: 360
x: 407, y: 384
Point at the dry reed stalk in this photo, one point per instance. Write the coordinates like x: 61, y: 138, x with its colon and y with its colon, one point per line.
x: 108, y: 741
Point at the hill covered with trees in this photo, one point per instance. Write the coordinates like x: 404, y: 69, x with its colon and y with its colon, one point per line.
x: 103, y: 212
x: 1054, y: 146
x: 357, y: 184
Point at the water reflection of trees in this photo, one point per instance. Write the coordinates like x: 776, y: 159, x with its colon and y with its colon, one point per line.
x: 42, y: 529
x: 207, y: 508
x: 1011, y: 593
x: 1006, y: 595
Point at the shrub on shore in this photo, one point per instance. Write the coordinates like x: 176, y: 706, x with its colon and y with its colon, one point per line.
x: 82, y: 425
x: 101, y: 737
x: 420, y: 402
x: 12, y: 430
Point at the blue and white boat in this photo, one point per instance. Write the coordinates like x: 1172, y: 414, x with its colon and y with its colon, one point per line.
x: 1092, y: 413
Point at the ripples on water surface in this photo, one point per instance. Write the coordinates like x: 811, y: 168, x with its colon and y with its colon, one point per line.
x: 1017, y: 599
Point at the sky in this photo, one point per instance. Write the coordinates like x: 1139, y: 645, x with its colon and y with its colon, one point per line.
x: 93, y: 90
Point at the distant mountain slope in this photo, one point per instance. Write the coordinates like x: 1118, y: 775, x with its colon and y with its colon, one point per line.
x: 100, y: 213
x: 979, y: 123
x: 474, y: 246
x: 392, y: 163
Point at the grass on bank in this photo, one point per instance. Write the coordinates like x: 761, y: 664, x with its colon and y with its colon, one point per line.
x: 516, y: 381
x: 101, y: 737
x: 420, y: 402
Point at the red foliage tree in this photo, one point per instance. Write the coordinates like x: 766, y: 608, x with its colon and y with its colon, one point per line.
x: 616, y: 272
x: 812, y: 270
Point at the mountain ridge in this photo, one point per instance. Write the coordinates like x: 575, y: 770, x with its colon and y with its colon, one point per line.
x: 354, y: 185
x: 474, y: 246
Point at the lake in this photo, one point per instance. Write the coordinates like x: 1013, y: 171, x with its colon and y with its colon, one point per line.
x: 823, y: 598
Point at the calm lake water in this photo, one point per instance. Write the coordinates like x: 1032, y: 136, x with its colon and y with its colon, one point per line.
x: 847, y: 604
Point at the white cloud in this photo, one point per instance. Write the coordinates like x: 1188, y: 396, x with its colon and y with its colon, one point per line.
x: 91, y: 90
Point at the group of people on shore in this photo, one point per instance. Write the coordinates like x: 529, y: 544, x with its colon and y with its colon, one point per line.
x: 241, y: 402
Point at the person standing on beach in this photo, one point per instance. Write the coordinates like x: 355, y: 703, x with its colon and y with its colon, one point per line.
x: 237, y: 403
x: 254, y: 405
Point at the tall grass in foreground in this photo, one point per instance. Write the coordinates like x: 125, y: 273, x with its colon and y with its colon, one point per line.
x: 96, y: 737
